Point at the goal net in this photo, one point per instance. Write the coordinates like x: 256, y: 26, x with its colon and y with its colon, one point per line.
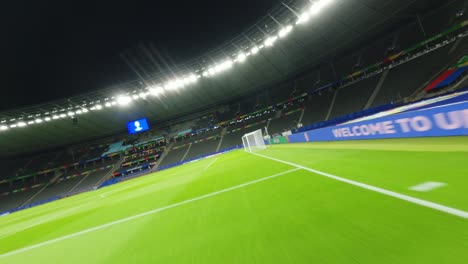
x: 253, y: 141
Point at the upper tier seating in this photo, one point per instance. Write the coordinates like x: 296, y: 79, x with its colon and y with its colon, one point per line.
x: 352, y: 98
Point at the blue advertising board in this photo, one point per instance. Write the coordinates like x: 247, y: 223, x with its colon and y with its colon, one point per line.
x: 137, y: 126
x: 448, y: 120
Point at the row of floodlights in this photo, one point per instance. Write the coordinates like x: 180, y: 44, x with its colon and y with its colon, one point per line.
x: 176, y: 84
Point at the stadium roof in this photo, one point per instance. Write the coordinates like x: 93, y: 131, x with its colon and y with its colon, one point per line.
x: 212, y: 78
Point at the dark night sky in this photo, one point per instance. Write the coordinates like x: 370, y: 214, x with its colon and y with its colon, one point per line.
x: 55, y: 49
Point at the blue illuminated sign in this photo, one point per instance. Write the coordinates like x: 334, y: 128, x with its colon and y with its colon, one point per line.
x: 448, y: 120
x: 137, y: 126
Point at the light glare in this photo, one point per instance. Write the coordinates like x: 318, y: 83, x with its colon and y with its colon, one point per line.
x: 270, y: 41
x: 285, y: 31
x: 255, y: 50
x: 123, y: 100
x: 304, y: 17
x: 241, y: 57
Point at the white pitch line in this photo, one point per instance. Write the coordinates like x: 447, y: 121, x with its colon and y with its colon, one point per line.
x: 427, y: 186
x: 435, y: 206
x: 151, y: 212
x: 209, y: 165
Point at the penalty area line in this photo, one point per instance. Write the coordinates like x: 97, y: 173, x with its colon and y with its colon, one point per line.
x: 435, y: 206
x: 151, y: 212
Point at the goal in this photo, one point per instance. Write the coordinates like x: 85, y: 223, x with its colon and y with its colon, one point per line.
x: 253, y: 141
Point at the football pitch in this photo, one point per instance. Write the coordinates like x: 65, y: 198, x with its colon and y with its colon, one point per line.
x: 382, y: 201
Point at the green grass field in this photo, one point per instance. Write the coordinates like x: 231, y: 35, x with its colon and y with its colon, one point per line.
x: 244, y: 208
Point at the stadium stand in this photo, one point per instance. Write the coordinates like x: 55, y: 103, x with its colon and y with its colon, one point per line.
x: 352, y: 98
x: 174, y: 155
x: 286, y: 122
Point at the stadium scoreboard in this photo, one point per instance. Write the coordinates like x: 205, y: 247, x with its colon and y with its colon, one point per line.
x: 137, y: 126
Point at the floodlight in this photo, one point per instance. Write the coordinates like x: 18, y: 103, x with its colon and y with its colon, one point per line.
x: 192, y: 78
x: 30, y: 122
x: 4, y: 127
x: 98, y: 107
x: 228, y: 64
x: 108, y: 104
x: 211, y: 71
x: 323, y: 3
x: 170, y: 86
x: 156, y: 91
x: 285, y: 31
x: 135, y: 97
x: 55, y: 117
x: 254, y: 50
x: 38, y: 121
x: 21, y: 124
x: 270, y: 41
x: 123, y: 100
x: 71, y: 113
x: 13, y: 126
x: 85, y: 110
x: 178, y: 83
x: 47, y: 119
x: 79, y: 112
x: 63, y: 115
x: 241, y: 57
x: 304, y: 17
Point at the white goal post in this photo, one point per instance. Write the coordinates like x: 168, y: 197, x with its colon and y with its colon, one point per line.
x: 253, y: 141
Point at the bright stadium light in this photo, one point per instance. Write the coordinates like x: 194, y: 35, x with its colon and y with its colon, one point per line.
x: 22, y: 124
x: 63, y: 115
x: 79, y: 112
x: 98, y: 107
x: 241, y: 57
x: 227, y: 64
x: 38, y: 121
x: 303, y: 18
x: 55, y: 117
x: 156, y: 91
x: 270, y: 41
x: 135, y: 97
x: 47, y: 119
x: 30, y: 122
x: 13, y: 126
x: 123, y: 100
x: 254, y: 50
x: 285, y: 31
x: 212, y: 71
x: 170, y: 86
x: 318, y: 6
x: 108, y: 104
x: 3, y: 128
x: 71, y: 113
x: 194, y: 78
x: 143, y: 95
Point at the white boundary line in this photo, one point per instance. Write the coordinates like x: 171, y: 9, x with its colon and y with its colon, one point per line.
x: 151, y: 212
x: 435, y: 206
x: 209, y: 165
